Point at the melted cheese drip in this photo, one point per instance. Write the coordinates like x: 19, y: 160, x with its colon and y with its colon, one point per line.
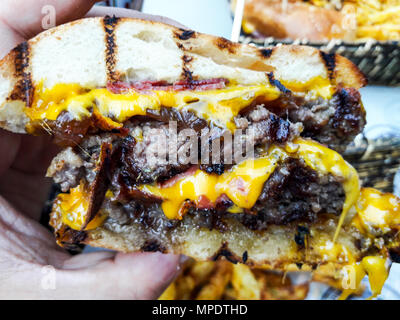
x: 333, y: 251
x: 325, y: 160
x: 318, y: 87
x: 242, y: 184
x: 377, y: 211
x: 217, y: 106
x: 74, y: 206
x: 377, y: 271
x: 356, y: 270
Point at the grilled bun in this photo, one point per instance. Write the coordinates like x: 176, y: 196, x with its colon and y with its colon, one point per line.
x: 93, y: 51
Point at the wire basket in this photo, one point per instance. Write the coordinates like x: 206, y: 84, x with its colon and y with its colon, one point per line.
x: 129, y: 4
x: 379, y: 61
x: 376, y: 161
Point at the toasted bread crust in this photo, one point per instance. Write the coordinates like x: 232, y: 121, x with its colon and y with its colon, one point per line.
x: 280, y: 247
x: 93, y: 51
x: 275, y: 248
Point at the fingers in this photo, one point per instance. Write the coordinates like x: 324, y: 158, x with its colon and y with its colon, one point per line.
x: 128, y: 13
x: 35, y: 154
x: 87, y: 260
x: 9, y: 144
x: 26, y: 192
x: 21, y: 20
x: 22, y: 171
x: 104, y: 275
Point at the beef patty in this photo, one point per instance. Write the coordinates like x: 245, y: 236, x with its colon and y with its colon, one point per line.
x: 294, y: 192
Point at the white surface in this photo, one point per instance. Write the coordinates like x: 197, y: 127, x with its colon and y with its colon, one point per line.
x: 207, y: 16
x: 237, y: 21
x: 383, y: 110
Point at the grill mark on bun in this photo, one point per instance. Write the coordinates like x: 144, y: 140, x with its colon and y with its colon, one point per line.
x: 77, y: 237
x: 23, y: 89
x: 153, y: 246
x: 300, y: 236
x: 225, y: 44
x: 185, y: 34
x: 330, y: 62
x: 111, y: 47
x: 224, y: 251
x: 244, y: 257
x: 277, y: 83
x: 265, y: 52
x: 187, y: 59
x: 187, y: 74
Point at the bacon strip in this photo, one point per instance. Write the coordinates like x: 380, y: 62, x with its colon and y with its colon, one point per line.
x: 198, y: 85
x: 100, y: 185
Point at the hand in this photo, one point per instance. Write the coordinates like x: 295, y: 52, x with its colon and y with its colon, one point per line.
x: 26, y: 247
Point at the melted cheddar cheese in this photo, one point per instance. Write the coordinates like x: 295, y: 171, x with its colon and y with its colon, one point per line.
x: 377, y: 211
x: 244, y: 182
x: 74, y: 206
x: 377, y: 270
x: 333, y: 251
x: 325, y: 160
x: 317, y: 86
x: 217, y: 106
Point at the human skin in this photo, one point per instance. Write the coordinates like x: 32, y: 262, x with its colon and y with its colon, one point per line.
x: 27, y: 249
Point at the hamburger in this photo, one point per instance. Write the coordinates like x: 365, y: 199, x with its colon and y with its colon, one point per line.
x: 140, y: 108
x: 323, y: 20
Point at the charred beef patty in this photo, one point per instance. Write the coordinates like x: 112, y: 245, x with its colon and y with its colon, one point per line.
x: 334, y: 122
x: 142, y: 156
x: 293, y: 193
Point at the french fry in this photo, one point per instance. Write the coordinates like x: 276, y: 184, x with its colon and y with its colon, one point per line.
x: 223, y: 280
x: 245, y: 283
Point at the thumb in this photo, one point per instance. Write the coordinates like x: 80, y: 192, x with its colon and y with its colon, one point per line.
x: 9, y: 142
x: 21, y: 20
x: 109, y: 275
x: 29, y: 23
